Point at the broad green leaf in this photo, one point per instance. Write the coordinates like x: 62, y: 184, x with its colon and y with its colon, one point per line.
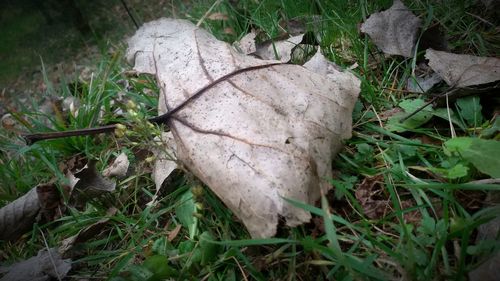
x: 470, y: 110
x: 443, y: 113
x: 159, y: 266
x: 457, y: 171
x: 185, y: 211
x: 483, y: 154
x: 417, y: 120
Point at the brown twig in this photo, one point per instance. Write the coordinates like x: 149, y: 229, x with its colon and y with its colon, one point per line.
x: 32, y: 138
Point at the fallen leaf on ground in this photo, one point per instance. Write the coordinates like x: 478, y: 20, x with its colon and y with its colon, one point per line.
x: 281, y: 50
x: 422, y: 84
x: 257, y: 136
x: 47, y: 265
x: 365, y: 193
x: 119, y: 167
x: 18, y: 216
x: 321, y: 65
x: 165, y: 162
x: 51, y: 202
x: 42, y: 203
x: 89, y: 185
x: 463, y: 70
x: 247, y: 43
x: 394, y: 31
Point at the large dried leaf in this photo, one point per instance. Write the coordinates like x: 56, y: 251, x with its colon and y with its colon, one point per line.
x: 258, y: 136
x: 47, y: 265
x: 463, y: 70
x: 394, y: 31
x: 19, y: 216
x: 40, y: 203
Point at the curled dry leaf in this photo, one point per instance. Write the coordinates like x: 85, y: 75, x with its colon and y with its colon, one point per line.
x: 394, y: 31
x: 47, y: 265
x: 119, y: 167
x: 89, y: 184
x: 247, y: 44
x: 279, y: 49
x: 464, y: 70
x: 18, y: 217
x: 165, y: 162
x: 256, y: 137
x: 43, y: 202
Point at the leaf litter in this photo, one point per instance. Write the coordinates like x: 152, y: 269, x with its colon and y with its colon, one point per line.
x: 394, y: 31
x: 421, y: 84
x: 246, y: 138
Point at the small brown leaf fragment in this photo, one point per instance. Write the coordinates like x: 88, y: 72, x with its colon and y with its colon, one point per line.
x: 51, y: 201
x: 394, y: 31
x: 47, y: 265
x: 218, y: 16
x: 174, y: 233
x: 464, y: 70
x: 365, y: 193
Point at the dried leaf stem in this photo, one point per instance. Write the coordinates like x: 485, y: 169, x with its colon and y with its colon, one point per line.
x: 32, y: 138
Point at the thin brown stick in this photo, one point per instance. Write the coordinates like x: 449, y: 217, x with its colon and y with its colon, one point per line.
x: 32, y: 138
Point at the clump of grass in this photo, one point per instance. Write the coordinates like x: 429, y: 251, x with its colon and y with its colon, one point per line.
x: 426, y: 231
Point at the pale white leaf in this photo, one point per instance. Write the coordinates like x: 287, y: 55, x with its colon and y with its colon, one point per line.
x: 255, y: 138
x: 281, y: 50
x: 247, y: 44
x: 165, y: 162
x: 119, y: 167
